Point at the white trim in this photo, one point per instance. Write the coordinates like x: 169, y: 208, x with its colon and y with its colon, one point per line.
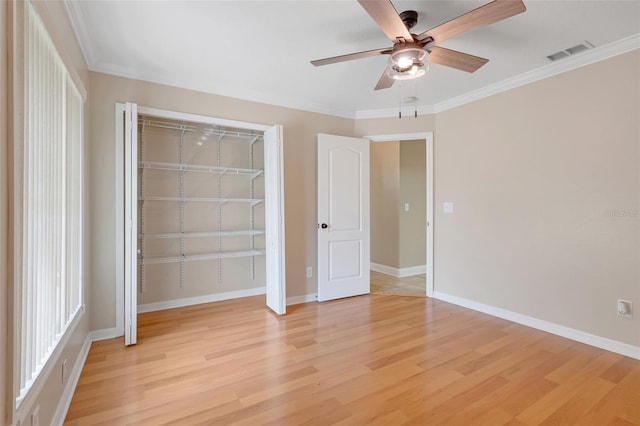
x: 184, y: 116
x: 399, y: 136
x: 118, y: 202
x: 104, y: 334
x: 119, y: 208
x: 398, y: 272
x: 586, y: 58
x: 430, y: 223
x: 76, y: 18
x: 306, y: 298
x: 384, y: 269
x: 550, y: 327
x: 25, y: 404
x: 274, y: 222
x: 72, y: 382
x: 554, y: 68
x: 220, y: 89
x: 189, y: 301
x: 428, y: 137
x: 131, y: 223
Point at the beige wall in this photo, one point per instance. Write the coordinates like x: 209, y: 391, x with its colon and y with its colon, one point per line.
x: 300, y: 132
x: 205, y: 277
x: 384, y: 159
x: 398, y: 176
x: 545, y: 185
x: 48, y: 399
x: 412, y: 236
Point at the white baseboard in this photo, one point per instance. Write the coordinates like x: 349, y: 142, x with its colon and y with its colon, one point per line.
x: 104, y: 334
x: 550, y: 327
x: 72, y: 382
x: 296, y: 300
x: 399, y: 273
x: 178, y: 303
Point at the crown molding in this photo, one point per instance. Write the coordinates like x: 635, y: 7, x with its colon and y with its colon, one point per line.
x: 206, y: 86
x: 586, y: 58
x: 74, y: 13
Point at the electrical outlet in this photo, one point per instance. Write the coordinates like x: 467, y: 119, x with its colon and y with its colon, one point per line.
x: 309, y: 271
x: 625, y: 308
x: 35, y: 417
x: 64, y: 371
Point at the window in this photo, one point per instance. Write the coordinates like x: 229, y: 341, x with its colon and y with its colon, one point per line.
x: 50, y: 275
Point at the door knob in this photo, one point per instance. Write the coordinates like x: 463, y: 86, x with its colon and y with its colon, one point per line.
x: 324, y: 226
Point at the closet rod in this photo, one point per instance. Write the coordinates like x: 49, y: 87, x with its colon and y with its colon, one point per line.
x: 167, y: 125
x: 208, y: 131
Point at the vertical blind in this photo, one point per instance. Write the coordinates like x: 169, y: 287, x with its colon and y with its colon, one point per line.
x: 51, y: 285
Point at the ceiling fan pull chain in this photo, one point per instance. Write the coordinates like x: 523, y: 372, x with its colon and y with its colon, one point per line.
x: 415, y: 99
x: 399, y: 101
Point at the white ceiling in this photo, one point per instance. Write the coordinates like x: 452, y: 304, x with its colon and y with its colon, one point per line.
x: 260, y: 50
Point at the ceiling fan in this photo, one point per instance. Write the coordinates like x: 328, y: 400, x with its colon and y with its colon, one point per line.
x: 410, y: 52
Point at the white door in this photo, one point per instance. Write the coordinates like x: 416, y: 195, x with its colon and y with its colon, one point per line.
x: 343, y: 217
x: 274, y: 220
x: 130, y: 224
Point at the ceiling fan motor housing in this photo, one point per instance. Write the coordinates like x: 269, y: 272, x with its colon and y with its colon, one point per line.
x: 410, y: 18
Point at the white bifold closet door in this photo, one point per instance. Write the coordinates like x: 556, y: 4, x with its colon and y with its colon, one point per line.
x: 274, y: 212
x: 130, y: 224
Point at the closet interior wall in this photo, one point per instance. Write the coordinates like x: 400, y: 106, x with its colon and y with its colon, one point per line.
x: 200, y: 210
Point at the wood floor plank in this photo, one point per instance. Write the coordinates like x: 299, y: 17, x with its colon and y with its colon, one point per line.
x: 374, y: 360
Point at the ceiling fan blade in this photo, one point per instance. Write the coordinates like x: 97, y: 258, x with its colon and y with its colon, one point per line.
x: 385, y: 80
x: 351, y: 56
x: 455, y: 59
x: 488, y: 14
x: 386, y: 16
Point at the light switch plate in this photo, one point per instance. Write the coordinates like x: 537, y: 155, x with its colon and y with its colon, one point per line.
x: 448, y: 207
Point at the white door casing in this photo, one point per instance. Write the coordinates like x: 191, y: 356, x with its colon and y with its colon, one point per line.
x: 343, y: 217
x: 428, y: 138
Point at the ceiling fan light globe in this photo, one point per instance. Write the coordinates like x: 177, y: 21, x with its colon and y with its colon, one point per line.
x: 406, y: 57
x: 405, y: 62
x: 417, y: 69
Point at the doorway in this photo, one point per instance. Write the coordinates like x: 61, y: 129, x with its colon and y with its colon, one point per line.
x: 402, y: 214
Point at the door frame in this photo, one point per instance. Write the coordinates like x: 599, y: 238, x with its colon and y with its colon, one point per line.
x: 274, y: 208
x: 428, y: 137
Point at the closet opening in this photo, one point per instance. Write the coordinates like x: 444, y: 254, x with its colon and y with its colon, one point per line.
x: 202, y: 212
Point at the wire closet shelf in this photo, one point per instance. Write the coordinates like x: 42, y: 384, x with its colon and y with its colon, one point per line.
x: 211, y: 134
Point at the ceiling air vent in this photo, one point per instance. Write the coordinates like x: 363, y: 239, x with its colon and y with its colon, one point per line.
x: 585, y: 45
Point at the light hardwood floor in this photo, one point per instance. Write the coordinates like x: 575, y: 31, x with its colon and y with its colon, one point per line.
x: 415, y: 285
x: 368, y: 360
